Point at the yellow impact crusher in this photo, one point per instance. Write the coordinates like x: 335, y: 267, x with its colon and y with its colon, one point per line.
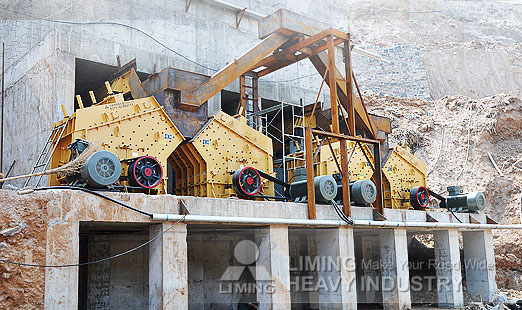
x: 137, y: 140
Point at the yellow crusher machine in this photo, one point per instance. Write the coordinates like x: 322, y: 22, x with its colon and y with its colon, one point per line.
x: 137, y: 141
x: 142, y: 128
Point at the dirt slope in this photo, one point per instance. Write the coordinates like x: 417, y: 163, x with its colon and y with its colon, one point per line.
x: 453, y: 136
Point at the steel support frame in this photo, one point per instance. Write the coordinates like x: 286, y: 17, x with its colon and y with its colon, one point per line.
x: 275, y: 52
x: 377, y: 176
x: 284, y: 48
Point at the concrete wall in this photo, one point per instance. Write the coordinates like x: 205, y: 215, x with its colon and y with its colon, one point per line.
x: 122, y: 283
x: 40, y: 54
x: 183, y: 261
x: 209, y: 256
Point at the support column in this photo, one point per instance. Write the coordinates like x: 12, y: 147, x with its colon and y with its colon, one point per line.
x: 447, y: 264
x: 395, y: 274
x: 61, y: 284
x: 273, y: 268
x: 168, y: 267
x: 479, y: 262
x: 369, y: 281
x: 336, y: 280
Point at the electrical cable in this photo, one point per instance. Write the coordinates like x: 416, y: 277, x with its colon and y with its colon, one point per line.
x: 95, y: 194
x: 96, y: 261
x: 451, y: 211
x: 340, y: 213
x: 148, y: 36
x: 114, y: 24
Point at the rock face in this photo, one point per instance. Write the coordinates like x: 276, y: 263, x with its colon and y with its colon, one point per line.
x: 22, y: 239
x: 453, y: 136
x: 438, y: 48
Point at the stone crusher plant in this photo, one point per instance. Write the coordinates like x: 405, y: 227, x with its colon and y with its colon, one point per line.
x: 141, y: 128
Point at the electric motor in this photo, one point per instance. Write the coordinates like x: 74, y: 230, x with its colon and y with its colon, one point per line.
x: 101, y: 169
x: 463, y: 202
x: 362, y: 192
x: 325, y: 189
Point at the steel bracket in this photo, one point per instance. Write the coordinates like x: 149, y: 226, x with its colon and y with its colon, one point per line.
x: 239, y: 17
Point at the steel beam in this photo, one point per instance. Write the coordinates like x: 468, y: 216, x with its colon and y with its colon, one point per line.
x: 232, y: 71
x: 320, y: 62
x: 242, y: 94
x: 295, y: 48
x: 379, y: 203
x: 334, y: 108
x: 341, y: 136
x: 275, y: 63
x: 349, y: 85
x: 310, y: 174
x: 345, y: 179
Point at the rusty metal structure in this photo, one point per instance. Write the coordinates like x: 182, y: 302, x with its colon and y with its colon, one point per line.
x: 163, y: 122
x: 286, y: 39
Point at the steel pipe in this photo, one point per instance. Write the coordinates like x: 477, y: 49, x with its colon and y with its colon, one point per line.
x: 367, y: 53
x: 332, y: 223
x: 237, y: 8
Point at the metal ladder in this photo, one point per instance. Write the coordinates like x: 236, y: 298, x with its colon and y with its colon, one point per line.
x: 249, y: 98
x: 42, y: 162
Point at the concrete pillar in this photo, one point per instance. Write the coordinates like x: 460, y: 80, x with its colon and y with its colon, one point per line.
x: 273, y: 268
x: 395, y: 274
x: 479, y: 262
x: 197, y: 252
x: 369, y: 277
x: 447, y: 264
x: 168, y: 267
x: 337, y: 279
x: 61, y: 284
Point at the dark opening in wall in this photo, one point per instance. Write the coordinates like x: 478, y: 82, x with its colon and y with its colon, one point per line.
x: 423, y: 276
x: 91, y: 75
x: 119, y: 283
x: 230, y: 102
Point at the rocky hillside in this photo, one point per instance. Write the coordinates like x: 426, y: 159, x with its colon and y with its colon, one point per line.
x: 456, y: 136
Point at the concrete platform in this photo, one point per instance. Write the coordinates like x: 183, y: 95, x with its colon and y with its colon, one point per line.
x: 210, y: 265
